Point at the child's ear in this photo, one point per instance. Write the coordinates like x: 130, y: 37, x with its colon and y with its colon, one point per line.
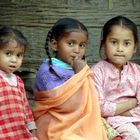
x: 53, y: 44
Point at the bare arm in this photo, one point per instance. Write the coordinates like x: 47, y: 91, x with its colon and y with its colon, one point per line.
x: 127, y: 113
x: 124, y: 107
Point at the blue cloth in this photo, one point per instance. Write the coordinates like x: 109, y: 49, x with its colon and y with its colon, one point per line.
x: 45, y: 80
x: 59, y: 63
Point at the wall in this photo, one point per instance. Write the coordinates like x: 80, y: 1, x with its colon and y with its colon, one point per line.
x: 35, y: 17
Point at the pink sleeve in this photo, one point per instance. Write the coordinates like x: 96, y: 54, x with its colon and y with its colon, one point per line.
x: 136, y: 111
x: 108, y: 108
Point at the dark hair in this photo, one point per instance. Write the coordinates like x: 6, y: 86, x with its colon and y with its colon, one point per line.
x: 8, y: 33
x: 122, y: 21
x: 60, y: 28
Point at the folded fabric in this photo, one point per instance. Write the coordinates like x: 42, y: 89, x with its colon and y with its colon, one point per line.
x: 70, y: 111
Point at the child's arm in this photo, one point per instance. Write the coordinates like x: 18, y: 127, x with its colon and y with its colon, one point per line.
x: 135, y: 112
x: 127, y: 113
x: 30, y: 124
x: 109, y: 108
x: 124, y: 107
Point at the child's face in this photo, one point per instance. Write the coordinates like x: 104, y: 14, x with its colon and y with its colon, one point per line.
x: 119, y: 46
x: 11, y: 56
x: 72, y: 45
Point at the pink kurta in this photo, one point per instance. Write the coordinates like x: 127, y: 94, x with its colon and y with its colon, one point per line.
x: 113, y: 89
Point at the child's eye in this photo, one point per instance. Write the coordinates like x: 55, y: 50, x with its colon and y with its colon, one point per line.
x: 8, y: 53
x: 127, y: 44
x: 82, y: 45
x: 114, y: 42
x: 20, y: 55
x: 70, y: 44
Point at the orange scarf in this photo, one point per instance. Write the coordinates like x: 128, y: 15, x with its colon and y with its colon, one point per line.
x: 70, y: 111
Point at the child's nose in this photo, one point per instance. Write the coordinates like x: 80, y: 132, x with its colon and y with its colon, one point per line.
x: 77, y: 49
x: 13, y: 58
x: 119, y: 47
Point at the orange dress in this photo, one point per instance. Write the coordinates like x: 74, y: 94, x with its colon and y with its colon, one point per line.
x: 70, y: 111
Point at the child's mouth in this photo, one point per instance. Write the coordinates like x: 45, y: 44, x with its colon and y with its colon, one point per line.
x: 119, y: 55
x: 12, y: 67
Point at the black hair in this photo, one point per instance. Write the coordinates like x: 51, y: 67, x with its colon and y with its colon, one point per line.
x: 118, y: 20
x: 8, y: 33
x: 60, y: 28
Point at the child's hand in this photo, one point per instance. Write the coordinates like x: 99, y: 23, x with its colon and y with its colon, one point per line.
x: 78, y: 64
x: 133, y: 102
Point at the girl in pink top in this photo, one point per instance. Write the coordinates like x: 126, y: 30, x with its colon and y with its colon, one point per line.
x: 117, y: 79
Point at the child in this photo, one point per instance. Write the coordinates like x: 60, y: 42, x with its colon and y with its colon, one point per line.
x: 66, y: 106
x: 16, y: 120
x: 117, y: 79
